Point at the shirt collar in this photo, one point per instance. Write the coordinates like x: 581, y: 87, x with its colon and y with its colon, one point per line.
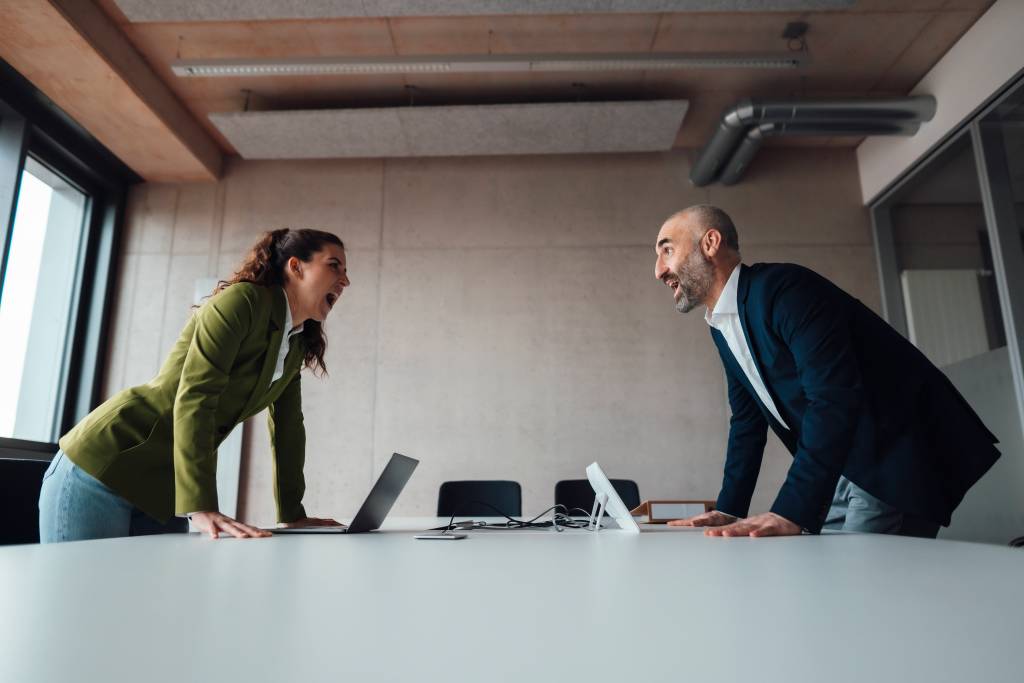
x: 726, y: 304
x: 288, y: 317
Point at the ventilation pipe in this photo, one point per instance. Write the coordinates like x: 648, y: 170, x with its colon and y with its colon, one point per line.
x: 745, y: 125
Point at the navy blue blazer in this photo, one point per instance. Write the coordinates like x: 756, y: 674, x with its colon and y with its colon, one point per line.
x: 860, y: 401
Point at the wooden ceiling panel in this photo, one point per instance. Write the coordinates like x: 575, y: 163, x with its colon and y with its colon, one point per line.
x: 750, y: 81
x: 876, y: 47
x: 863, y: 6
x: 846, y: 50
x: 80, y: 59
x: 490, y: 88
x: 525, y: 34
x: 967, y: 4
x: 164, y: 43
x: 723, y: 32
x: 929, y: 46
x: 357, y: 38
x: 853, y: 50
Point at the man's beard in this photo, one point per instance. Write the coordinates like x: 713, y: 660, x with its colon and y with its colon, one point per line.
x: 695, y: 277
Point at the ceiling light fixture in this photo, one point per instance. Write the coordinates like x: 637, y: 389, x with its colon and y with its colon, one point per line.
x: 483, y: 64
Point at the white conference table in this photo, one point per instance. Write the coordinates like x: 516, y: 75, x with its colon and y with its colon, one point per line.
x: 523, y: 606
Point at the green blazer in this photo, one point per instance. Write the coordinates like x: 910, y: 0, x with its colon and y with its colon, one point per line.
x: 156, y: 444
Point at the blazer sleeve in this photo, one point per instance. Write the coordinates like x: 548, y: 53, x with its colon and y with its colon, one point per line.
x: 814, y: 320
x: 748, y: 432
x: 288, y: 442
x: 220, y: 326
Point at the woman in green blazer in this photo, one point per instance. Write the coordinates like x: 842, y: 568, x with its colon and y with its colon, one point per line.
x: 147, y: 458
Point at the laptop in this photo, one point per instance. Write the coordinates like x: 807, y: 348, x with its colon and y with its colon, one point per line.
x: 376, y: 506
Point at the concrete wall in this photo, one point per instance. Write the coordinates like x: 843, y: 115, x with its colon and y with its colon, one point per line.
x: 503, y: 319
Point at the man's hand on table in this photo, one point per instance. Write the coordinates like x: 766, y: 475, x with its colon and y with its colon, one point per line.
x: 712, y: 518
x: 721, y: 524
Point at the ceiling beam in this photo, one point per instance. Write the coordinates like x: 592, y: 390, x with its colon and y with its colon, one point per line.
x: 72, y: 52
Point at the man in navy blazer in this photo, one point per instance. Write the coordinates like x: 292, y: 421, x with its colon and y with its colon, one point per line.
x: 881, y: 440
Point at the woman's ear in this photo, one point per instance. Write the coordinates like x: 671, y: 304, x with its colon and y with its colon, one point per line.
x: 294, y: 267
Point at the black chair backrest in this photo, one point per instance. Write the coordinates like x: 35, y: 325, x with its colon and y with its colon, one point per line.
x: 578, y: 493
x: 20, y: 481
x: 473, y: 498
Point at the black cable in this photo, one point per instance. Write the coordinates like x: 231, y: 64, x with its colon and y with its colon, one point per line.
x: 559, y: 520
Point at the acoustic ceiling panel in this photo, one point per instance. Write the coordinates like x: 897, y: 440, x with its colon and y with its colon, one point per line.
x: 255, y: 10
x: 548, y: 128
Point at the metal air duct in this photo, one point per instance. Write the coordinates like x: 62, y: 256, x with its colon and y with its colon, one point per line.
x: 745, y: 125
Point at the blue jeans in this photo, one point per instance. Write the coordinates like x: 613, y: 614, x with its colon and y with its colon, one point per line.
x: 74, y: 506
x: 854, y: 509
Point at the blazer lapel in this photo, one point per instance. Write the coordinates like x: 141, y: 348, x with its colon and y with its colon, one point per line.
x: 734, y: 365
x: 275, y: 333
x: 742, y: 291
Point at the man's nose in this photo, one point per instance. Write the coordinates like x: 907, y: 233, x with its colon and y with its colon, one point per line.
x: 659, y: 269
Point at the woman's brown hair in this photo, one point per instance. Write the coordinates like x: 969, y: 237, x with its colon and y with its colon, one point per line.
x: 264, y: 265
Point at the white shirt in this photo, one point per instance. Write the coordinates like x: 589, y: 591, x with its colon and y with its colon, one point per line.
x: 286, y: 343
x: 726, y: 319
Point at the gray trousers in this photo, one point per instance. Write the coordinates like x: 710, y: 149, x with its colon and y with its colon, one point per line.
x: 854, y: 509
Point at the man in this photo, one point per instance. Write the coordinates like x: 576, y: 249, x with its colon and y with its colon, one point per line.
x: 881, y: 440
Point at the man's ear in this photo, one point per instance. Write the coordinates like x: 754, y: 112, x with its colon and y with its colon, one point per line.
x: 711, y: 243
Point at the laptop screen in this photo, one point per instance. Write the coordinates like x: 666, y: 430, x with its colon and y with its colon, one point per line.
x: 384, y: 493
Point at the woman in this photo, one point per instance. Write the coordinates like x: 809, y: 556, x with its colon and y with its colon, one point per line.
x: 147, y: 458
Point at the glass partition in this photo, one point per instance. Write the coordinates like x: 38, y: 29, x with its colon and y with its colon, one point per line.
x: 951, y: 263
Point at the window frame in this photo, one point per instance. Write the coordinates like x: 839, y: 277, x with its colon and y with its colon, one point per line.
x: 33, y: 126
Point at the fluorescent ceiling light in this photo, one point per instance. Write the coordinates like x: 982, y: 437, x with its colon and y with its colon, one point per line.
x: 483, y: 64
x: 264, y: 10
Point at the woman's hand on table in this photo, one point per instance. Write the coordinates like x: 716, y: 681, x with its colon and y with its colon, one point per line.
x: 214, y: 523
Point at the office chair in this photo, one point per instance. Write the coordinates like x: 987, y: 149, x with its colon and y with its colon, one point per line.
x: 472, y: 498
x: 577, y: 493
x: 20, y: 481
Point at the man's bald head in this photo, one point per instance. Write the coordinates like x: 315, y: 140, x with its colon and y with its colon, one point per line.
x: 697, y: 248
x: 700, y: 218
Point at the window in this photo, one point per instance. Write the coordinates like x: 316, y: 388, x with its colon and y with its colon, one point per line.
x: 36, y: 301
x: 61, y: 197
